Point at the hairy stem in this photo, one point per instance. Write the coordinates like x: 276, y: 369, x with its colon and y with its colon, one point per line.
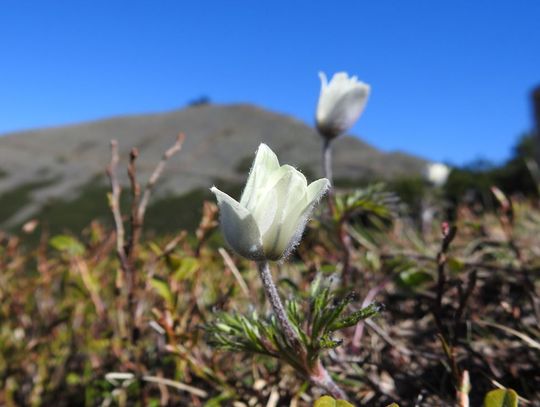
x: 342, y: 233
x: 327, y: 160
x: 316, y: 372
x: 277, y: 306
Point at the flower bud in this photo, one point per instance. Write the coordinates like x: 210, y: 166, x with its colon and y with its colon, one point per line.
x: 341, y: 102
x: 270, y: 218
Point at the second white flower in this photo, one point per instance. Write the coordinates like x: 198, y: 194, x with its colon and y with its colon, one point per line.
x: 341, y: 102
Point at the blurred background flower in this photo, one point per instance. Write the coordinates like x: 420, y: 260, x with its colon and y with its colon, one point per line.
x: 341, y: 102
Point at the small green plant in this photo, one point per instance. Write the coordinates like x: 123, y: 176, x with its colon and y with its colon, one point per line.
x: 314, y: 321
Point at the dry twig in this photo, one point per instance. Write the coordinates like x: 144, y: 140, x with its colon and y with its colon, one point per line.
x: 126, y: 251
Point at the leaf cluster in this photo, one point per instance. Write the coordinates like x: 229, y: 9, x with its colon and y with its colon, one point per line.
x: 373, y: 202
x: 315, y: 321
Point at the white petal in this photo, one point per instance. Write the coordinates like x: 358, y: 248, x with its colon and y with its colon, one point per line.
x: 317, y: 189
x: 324, y: 81
x: 264, y: 209
x: 239, y: 227
x: 294, y: 228
x: 264, y: 165
x: 291, y: 192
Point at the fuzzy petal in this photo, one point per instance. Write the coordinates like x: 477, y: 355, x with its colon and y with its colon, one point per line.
x: 295, y: 227
x: 239, y: 227
x: 317, y: 189
x: 291, y: 191
x: 266, y: 163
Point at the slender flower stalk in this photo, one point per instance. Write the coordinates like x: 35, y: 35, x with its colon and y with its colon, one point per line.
x: 277, y: 306
x: 327, y: 160
x: 341, y: 102
x: 316, y: 372
x: 328, y: 174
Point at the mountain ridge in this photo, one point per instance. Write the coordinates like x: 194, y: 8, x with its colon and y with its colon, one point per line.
x: 54, y: 163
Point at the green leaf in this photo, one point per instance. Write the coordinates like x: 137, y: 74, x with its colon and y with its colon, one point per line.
x: 327, y: 401
x: 67, y: 244
x: 163, y: 290
x: 326, y: 342
x: 353, y: 318
x: 372, y: 201
x: 412, y: 278
x: 501, y: 398
x: 186, y: 268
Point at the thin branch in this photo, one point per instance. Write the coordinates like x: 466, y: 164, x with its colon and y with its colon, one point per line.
x: 135, y: 196
x: 127, y: 250
x: 463, y: 299
x: 229, y: 262
x: 115, y: 377
x: 114, y: 203
x: 177, y: 385
x: 157, y: 173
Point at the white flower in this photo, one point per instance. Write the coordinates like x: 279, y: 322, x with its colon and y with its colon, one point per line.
x: 341, y: 102
x: 437, y: 173
x: 276, y: 203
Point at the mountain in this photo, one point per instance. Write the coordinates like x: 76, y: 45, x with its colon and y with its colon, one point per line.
x: 57, y: 174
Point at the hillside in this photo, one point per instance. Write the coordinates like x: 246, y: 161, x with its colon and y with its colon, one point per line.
x: 59, y: 172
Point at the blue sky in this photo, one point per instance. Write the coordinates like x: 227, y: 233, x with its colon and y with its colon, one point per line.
x: 450, y: 79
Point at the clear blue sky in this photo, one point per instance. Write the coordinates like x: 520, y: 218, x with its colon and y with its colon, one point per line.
x: 450, y: 79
